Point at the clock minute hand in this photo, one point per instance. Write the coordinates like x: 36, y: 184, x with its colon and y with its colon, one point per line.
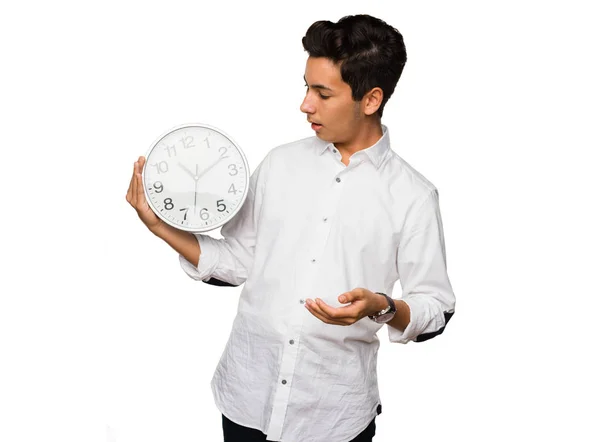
x: 209, y: 167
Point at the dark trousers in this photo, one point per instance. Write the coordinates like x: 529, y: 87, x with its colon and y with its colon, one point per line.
x: 233, y: 432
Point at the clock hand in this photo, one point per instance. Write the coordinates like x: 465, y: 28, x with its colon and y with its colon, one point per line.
x: 188, y: 171
x: 195, y: 195
x: 209, y: 167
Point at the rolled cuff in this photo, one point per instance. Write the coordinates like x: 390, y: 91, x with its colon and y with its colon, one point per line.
x: 207, y: 262
x: 425, y: 320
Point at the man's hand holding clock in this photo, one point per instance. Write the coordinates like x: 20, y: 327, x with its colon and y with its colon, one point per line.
x: 135, y: 197
x: 190, y: 151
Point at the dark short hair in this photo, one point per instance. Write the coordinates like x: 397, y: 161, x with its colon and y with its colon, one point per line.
x: 371, y: 52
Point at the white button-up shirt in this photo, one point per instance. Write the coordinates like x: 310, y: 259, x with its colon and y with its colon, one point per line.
x: 312, y: 227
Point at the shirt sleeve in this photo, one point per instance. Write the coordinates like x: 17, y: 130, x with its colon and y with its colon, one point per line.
x: 421, y: 262
x: 229, y: 259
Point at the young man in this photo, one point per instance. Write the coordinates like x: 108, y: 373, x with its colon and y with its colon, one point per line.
x: 330, y: 223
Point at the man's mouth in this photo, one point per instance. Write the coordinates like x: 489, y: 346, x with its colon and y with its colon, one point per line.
x: 316, y: 126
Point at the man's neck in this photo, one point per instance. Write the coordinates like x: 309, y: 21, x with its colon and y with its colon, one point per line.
x: 365, y: 137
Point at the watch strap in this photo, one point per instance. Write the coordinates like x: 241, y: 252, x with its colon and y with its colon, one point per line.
x: 390, y: 308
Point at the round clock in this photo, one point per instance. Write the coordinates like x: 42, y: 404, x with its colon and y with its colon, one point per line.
x: 195, y: 177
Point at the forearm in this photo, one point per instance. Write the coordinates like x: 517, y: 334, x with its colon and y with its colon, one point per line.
x: 184, y: 243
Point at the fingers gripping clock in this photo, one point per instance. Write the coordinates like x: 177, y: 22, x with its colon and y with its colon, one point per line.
x: 195, y: 177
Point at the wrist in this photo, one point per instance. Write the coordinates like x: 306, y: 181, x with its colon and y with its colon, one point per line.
x: 158, y: 229
x: 387, y: 313
x: 380, y: 303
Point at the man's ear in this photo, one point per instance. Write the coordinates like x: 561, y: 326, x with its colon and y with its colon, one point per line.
x: 372, y: 101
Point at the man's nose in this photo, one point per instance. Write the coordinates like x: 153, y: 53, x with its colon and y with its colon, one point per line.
x: 307, y: 107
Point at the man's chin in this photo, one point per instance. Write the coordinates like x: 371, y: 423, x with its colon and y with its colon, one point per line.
x: 322, y: 136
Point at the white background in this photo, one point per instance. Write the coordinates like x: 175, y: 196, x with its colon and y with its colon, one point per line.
x: 104, y: 338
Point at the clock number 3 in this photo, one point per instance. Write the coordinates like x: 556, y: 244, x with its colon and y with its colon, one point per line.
x: 233, y: 169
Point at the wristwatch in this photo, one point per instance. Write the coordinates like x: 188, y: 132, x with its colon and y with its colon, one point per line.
x: 387, y: 313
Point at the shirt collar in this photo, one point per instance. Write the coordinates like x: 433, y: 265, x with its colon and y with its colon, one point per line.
x: 376, y: 153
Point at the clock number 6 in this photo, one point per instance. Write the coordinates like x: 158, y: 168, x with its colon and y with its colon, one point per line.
x: 204, y: 214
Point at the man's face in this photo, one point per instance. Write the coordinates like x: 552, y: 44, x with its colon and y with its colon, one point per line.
x: 328, y: 104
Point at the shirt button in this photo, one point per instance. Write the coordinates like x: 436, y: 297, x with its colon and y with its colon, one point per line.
x: 284, y: 382
x: 325, y: 219
x: 302, y: 301
x: 338, y: 179
x: 291, y: 342
x: 313, y: 260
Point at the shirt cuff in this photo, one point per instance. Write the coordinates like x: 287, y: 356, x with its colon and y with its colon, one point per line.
x: 421, y: 316
x: 209, y: 258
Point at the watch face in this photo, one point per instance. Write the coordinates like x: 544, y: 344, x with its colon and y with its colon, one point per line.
x: 195, y: 178
x: 385, y: 317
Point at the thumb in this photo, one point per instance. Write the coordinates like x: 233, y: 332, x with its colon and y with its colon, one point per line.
x: 348, y: 297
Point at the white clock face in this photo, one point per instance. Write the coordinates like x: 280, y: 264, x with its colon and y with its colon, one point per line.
x: 195, y: 178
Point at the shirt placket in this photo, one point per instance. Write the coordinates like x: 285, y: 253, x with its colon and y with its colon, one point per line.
x: 308, y: 264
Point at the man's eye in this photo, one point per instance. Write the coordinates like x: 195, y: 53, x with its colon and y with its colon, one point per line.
x: 324, y: 97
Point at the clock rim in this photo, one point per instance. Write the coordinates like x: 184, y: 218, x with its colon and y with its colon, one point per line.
x: 213, y: 226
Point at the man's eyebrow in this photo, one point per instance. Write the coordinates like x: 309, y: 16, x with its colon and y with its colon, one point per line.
x: 318, y: 86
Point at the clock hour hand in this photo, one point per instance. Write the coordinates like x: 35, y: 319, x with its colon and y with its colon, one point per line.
x: 188, y: 171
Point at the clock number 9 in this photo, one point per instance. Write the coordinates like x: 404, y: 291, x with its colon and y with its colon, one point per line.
x: 158, y: 187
